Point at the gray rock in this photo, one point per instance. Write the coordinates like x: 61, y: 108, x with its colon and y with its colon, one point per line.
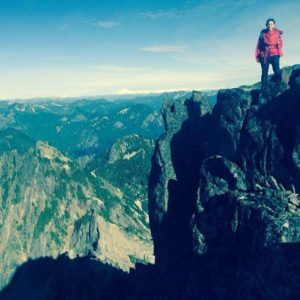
x: 224, y: 199
x: 85, y: 236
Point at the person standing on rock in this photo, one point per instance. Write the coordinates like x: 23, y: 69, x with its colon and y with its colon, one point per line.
x: 268, y: 51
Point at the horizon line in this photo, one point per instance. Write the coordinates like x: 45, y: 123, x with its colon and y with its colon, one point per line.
x: 131, y: 93
x: 113, y: 95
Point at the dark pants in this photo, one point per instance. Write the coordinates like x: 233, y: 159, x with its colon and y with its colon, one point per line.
x: 274, y: 61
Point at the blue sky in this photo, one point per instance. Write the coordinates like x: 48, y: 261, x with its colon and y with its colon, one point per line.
x: 75, y: 48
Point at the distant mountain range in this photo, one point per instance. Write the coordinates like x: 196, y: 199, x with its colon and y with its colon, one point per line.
x: 81, y: 127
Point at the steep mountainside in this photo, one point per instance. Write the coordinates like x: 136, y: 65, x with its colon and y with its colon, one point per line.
x: 127, y: 167
x: 50, y: 206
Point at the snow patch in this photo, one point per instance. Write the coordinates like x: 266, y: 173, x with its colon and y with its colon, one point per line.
x: 123, y: 111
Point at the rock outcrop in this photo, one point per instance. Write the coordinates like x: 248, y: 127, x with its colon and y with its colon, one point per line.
x: 224, y: 197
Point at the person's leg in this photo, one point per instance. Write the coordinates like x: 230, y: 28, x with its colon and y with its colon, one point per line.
x: 274, y: 60
x: 264, y: 71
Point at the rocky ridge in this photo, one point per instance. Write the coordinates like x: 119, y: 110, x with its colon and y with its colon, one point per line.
x: 224, y: 194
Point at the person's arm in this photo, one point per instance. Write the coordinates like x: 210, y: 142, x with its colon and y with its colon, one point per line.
x: 279, y: 43
x: 258, y: 49
x: 257, y: 52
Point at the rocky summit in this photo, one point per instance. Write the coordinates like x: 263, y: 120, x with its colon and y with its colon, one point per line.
x: 224, y: 207
x: 224, y: 194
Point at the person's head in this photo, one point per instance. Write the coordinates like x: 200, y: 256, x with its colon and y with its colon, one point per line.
x: 270, y: 23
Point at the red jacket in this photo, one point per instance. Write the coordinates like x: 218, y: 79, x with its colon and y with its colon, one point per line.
x: 269, y: 43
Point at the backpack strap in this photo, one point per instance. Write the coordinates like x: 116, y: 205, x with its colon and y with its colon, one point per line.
x: 261, y: 40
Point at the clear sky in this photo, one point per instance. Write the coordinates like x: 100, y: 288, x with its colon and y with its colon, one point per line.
x: 95, y: 47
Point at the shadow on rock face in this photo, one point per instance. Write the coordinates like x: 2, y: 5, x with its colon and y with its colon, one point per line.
x: 228, y: 212
x: 63, y: 278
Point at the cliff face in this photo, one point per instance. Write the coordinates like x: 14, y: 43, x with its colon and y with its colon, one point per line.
x: 223, y: 199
